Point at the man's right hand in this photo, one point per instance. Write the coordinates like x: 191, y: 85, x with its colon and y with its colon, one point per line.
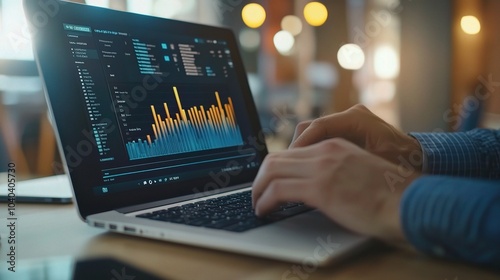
x: 363, y: 128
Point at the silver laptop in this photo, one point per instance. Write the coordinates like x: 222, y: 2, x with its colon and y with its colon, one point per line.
x: 161, y: 136
x: 51, y: 189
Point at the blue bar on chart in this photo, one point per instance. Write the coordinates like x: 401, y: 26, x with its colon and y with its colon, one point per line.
x: 191, y: 130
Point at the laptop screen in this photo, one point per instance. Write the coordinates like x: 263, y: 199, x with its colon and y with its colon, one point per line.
x: 146, y: 108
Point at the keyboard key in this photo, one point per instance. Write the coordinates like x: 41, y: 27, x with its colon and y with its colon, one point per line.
x: 232, y: 213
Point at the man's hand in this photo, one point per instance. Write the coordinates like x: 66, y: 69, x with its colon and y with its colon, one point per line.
x: 361, y: 127
x: 338, y: 178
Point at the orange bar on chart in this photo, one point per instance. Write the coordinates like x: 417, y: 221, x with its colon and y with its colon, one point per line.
x: 179, y: 104
x: 198, y: 117
x: 219, y: 104
x: 166, y: 110
x: 160, y: 127
x: 154, y: 117
x: 178, y: 119
x: 232, y: 107
x: 194, y: 118
x: 176, y: 123
x: 154, y: 130
x: 212, y: 116
x: 164, y: 128
x: 168, y: 115
x: 229, y: 115
x: 203, y: 115
x: 190, y: 114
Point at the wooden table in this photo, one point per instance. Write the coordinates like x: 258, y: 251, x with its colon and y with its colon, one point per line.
x: 46, y: 231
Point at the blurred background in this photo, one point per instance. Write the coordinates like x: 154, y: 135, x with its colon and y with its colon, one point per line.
x: 421, y: 65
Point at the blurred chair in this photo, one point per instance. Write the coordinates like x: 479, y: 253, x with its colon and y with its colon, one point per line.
x: 20, y: 94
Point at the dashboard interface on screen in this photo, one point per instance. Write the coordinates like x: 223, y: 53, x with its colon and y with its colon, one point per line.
x: 160, y: 107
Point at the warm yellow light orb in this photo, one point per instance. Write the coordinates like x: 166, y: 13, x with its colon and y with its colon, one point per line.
x: 470, y: 25
x: 315, y: 13
x: 253, y: 15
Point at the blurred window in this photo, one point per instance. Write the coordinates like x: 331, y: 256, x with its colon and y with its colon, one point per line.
x: 15, y: 42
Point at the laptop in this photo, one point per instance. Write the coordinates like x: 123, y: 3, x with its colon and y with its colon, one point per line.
x: 51, y: 189
x: 161, y: 136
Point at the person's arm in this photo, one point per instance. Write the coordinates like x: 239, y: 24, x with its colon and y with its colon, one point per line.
x: 472, y: 154
x: 373, y: 187
x: 453, y: 217
x: 444, y: 216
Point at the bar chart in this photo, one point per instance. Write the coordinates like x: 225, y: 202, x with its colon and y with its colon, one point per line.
x: 188, y: 130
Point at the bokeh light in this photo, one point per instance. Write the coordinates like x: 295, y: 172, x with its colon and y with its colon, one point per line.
x: 249, y: 39
x: 315, y: 13
x: 351, y: 57
x: 253, y: 15
x: 470, y: 25
x: 142, y: 7
x: 292, y: 24
x: 98, y: 3
x: 386, y: 62
x: 284, y: 42
x: 173, y: 8
x: 378, y: 92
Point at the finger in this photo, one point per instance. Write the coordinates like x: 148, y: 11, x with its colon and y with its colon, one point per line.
x: 299, y: 130
x: 279, y: 166
x: 336, y: 125
x: 283, y: 190
x: 273, y: 169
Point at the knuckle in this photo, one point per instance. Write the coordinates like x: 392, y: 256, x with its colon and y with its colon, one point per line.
x: 319, y: 121
x: 359, y: 107
x: 271, y: 156
x: 270, y: 163
x: 331, y: 145
x: 326, y: 160
x: 303, y: 125
x: 348, y: 156
x: 274, y: 157
x: 277, y: 188
x: 343, y: 143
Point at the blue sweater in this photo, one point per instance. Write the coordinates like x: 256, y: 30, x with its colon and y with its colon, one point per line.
x: 454, y: 210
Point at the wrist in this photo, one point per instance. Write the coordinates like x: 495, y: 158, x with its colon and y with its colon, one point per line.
x: 391, y: 230
x: 404, y: 150
x: 415, y: 154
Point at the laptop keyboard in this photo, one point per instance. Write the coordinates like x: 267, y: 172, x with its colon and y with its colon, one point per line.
x: 232, y: 213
